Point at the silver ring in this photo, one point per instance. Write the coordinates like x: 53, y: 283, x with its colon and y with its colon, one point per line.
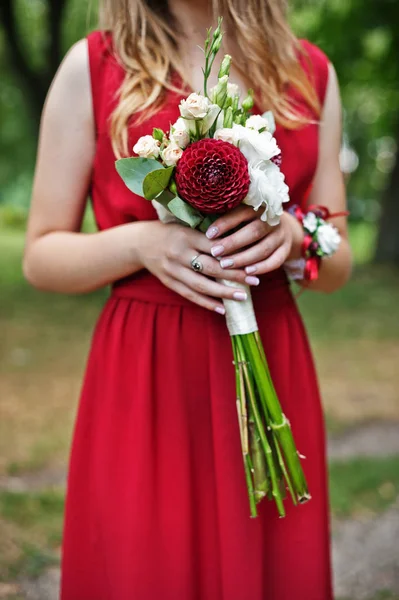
x: 196, y: 264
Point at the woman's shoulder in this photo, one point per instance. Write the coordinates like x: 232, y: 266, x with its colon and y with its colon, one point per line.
x: 316, y: 63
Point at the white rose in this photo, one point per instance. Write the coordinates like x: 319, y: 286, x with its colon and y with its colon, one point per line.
x: 310, y: 222
x: 233, y: 90
x: 194, y: 107
x: 256, y: 147
x: 267, y: 188
x: 257, y: 122
x: 328, y: 238
x: 147, y: 147
x: 226, y: 135
x: 179, y: 134
x: 171, y: 154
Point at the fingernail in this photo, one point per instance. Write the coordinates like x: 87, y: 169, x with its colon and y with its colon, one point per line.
x: 226, y: 262
x: 250, y: 270
x: 217, y: 251
x: 220, y: 310
x: 240, y: 296
x: 212, y: 233
x: 252, y: 281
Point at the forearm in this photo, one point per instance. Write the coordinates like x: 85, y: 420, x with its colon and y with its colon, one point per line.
x: 73, y: 263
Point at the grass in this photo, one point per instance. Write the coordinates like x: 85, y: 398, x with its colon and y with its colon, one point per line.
x: 363, y: 487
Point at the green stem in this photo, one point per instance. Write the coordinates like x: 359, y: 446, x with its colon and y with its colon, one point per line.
x: 278, y: 422
x: 259, y: 426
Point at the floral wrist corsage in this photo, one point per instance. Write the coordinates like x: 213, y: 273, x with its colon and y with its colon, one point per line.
x: 321, y: 240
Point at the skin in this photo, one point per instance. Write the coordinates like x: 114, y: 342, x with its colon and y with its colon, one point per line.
x: 55, y: 246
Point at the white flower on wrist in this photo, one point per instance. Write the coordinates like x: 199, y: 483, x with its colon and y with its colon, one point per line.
x: 328, y: 238
x: 179, y: 134
x: 310, y: 222
x: 171, y: 154
x: 147, y: 147
x: 267, y: 189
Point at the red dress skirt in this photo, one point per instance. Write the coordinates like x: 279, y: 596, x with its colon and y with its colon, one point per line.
x: 157, y: 505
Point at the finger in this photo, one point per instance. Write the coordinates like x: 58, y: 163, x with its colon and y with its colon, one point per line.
x: 211, y: 267
x: 244, y: 237
x: 256, y: 253
x: 227, y: 222
x: 207, y: 287
x: 196, y: 298
x: 274, y: 261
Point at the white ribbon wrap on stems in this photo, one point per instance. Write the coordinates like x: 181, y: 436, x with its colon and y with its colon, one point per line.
x: 240, y: 316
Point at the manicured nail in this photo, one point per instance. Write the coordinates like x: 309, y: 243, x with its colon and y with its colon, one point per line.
x: 240, y: 296
x: 250, y: 270
x: 226, y: 262
x: 220, y: 310
x: 212, y: 233
x: 252, y: 281
x: 217, y: 251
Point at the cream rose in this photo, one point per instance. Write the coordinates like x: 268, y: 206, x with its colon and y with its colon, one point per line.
x: 233, y: 90
x: 226, y: 135
x: 147, y: 147
x: 179, y: 134
x: 194, y: 107
x: 329, y: 238
x: 171, y: 154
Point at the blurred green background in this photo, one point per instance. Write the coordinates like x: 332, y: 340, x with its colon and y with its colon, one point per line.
x: 44, y: 338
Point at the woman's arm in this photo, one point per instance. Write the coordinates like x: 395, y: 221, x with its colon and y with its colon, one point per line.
x: 270, y: 247
x: 329, y: 190
x: 61, y: 259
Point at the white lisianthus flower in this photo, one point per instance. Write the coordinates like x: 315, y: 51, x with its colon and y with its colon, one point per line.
x: 171, y: 154
x: 257, y: 122
x: 268, y: 189
x: 255, y: 146
x: 147, y: 147
x: 194, y: 107
x: 310, y: 222
x: 179, y: 134
x: 233, y: 90
x: 329, y: 238
x: 226, y: 135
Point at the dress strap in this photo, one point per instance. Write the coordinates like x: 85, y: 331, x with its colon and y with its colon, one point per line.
x: 105, y: 75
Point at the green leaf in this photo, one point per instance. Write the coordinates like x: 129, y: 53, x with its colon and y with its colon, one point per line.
x: 134, y: 170
x: 185, y: 212
x: 158, y: 134
x: 155, y: 182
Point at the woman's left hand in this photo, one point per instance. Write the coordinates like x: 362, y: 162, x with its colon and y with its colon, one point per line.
x: 256, y: 246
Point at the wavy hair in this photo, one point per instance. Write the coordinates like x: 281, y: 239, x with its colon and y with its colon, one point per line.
x: 146, y: 41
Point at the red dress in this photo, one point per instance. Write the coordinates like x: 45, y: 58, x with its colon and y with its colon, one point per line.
x: 157, y: 505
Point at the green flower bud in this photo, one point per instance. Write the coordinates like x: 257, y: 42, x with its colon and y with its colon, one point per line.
x: 237, y: 118
x: 228, y: 118
x: 219, y: 95
x: 248, y: 103
x: 216, y: 43
x: 173, y: 187
x: 225, y: 66
x: 236, y: 101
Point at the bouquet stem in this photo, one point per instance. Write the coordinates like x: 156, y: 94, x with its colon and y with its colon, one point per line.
x: 271, y: 461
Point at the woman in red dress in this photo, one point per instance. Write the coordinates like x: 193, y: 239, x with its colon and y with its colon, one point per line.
x: 157, y: 504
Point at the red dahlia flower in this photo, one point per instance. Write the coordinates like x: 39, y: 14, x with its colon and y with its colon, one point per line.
x: 212, y: 175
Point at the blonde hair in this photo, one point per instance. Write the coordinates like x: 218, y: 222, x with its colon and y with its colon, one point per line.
x: 145, y: 38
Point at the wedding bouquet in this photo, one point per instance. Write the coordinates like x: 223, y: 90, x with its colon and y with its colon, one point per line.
x: 215, y: 157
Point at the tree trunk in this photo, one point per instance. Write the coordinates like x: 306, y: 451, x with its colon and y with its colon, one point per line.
x: 388, y: 237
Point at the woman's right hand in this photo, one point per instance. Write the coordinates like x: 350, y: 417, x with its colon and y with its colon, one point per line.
x: 167, y: 251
